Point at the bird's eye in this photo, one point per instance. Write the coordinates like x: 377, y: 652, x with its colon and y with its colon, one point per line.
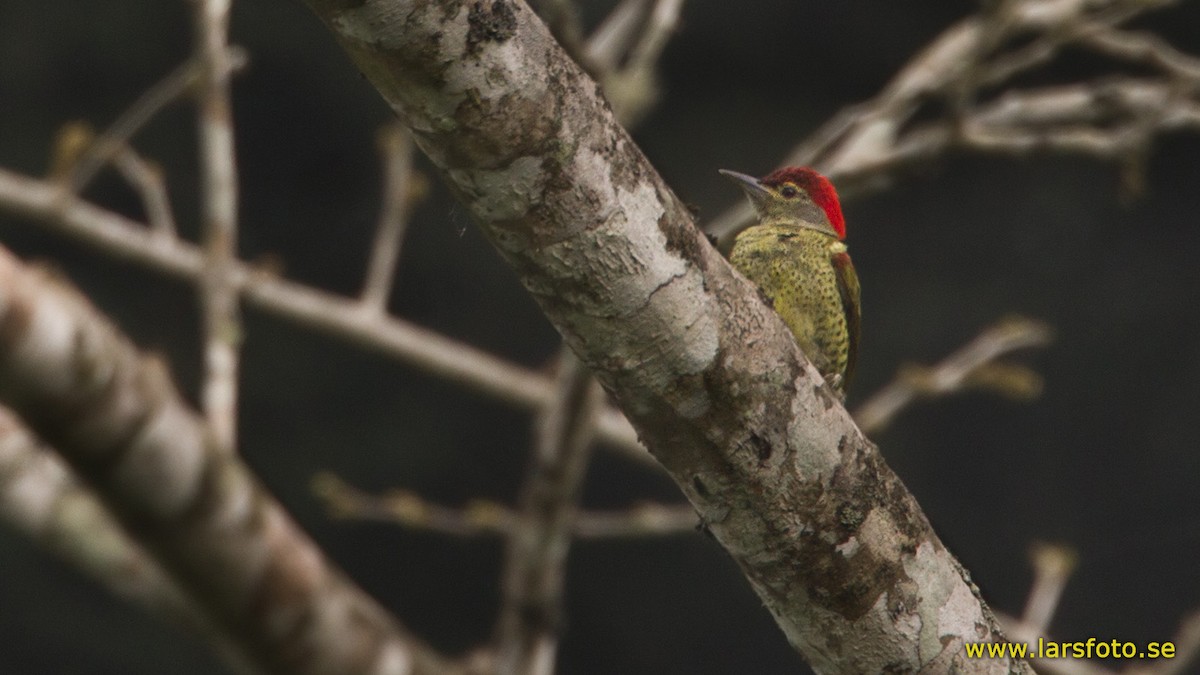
x: 788, y: 191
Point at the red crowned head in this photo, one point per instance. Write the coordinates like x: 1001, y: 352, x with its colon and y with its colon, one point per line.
x: 794, y: 193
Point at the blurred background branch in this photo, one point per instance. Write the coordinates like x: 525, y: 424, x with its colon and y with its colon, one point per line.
x: 1053, y: 565
x: 960, y: 93
x: 220, y: 306
x: 975, y: 365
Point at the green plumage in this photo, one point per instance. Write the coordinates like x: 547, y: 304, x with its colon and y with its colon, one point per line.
x: 794, y: 268
x: 796, y: 257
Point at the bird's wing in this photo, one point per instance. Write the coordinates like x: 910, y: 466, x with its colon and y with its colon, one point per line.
x: 847, y: 280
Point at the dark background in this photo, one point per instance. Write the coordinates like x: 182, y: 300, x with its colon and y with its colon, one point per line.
x: 1105, y: 461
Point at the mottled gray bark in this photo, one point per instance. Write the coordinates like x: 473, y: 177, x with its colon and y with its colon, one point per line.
x: 827, y: 535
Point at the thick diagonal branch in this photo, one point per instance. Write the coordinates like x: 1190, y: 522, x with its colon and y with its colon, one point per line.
x: 41, y: 497
x: 116, y: 417
x: 830, y: 539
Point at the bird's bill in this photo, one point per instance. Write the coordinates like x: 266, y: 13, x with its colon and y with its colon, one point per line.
x: 749, y: 184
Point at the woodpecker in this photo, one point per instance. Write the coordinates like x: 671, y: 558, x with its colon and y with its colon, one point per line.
x: 796, y: 256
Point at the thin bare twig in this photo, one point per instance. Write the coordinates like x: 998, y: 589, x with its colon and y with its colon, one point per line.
x: 116, y: 235
x: 1052, y: 568
x: 641, y: 520
x: 399, y: 194
x: 609, y: 43
x: 623, y: 54
x: 527, y: 628
x: 80, y: 153
x: 1010, y: 126
x: 147, y: 179
x: 488, y: 518
x: 866, y: 145
x: 664, y: 18
x: 1074, y: 27
x: 1138, y: 47
x: 171, y: 88
x: 959, y: 371
x: 1187, y: 647
x: 218, y: 296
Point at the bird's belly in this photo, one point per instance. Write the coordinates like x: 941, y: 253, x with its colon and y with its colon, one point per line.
x: 802, y: 286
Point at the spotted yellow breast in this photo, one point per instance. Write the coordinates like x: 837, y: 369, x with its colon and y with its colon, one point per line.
x: 795, y: 267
